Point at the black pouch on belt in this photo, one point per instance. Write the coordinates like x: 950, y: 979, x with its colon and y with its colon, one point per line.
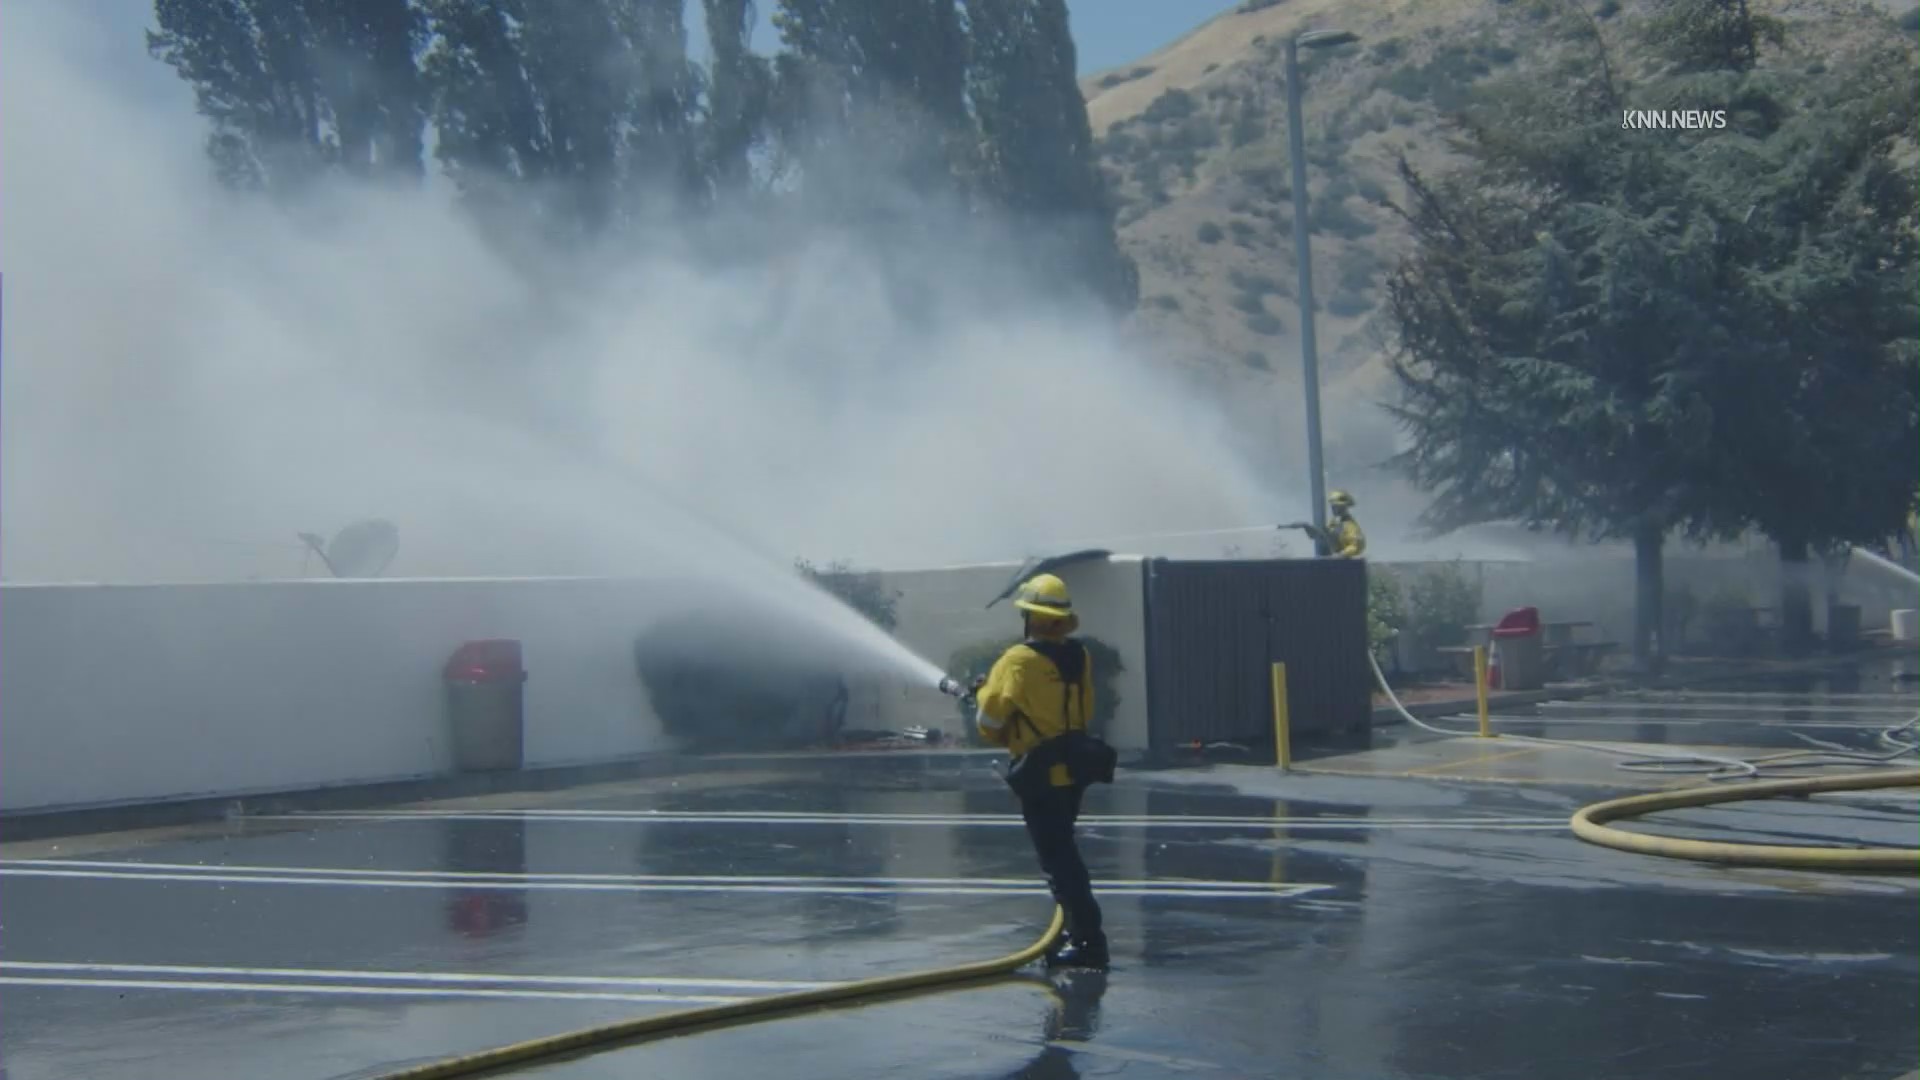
x: 1030, y: 774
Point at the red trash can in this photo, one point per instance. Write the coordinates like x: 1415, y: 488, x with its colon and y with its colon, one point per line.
x: 1519, y: 654
x: 486, y: 683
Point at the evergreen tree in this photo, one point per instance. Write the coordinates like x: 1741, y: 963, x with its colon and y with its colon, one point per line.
x: 1821, y: 216
x: 294, y: 87
x: 1626, y: 333
x: 875, y: 98
x: 738, y: 97
x: 585, y: 106
x: 1037, y: 144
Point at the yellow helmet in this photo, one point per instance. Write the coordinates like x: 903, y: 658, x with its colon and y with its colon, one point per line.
x: 1044, y: 594
x: 1340, y: 499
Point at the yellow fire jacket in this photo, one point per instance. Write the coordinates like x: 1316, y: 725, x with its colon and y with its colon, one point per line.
x: 1025, y: 702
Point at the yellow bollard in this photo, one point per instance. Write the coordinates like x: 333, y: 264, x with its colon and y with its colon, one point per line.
x: 1480, y: 688
x: 1282, y: 731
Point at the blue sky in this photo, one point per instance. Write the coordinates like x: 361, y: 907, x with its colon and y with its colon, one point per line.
x: 1107, y: 33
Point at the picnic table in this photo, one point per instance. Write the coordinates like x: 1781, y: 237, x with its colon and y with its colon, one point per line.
x: 1557, y: 633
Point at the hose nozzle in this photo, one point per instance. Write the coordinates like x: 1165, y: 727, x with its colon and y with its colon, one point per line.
x: 951, y: 687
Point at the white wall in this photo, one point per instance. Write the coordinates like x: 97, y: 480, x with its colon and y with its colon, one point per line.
x: 121, y: 693
x: 117, y: 693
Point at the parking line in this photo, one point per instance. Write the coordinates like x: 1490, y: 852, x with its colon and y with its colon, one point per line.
x: 509, y: 878
x: 1755, y: 709
x: 1769, y: 695
x: 361, y: 991
x: 956, y: 821
x: 1683, y: 721
x: 447, y: 977
x: 1251, y: 891
x: 912, y: 817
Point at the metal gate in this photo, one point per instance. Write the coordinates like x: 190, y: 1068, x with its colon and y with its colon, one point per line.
x: 1213, y: 630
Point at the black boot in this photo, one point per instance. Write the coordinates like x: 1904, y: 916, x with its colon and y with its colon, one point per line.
x: 1081, y: 954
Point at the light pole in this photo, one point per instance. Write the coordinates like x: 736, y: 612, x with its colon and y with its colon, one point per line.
x: 1302, y: 256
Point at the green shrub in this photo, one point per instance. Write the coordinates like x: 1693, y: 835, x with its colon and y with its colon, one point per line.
x: 1265, y: 324
x: 1386, y: 614
x: 1369, y: 189
x: 971, y: 661
x: 1256, y: 360
x: 1269, y: 180
x: 1209, y: 233
x: 1442, y: 81
x: 1193, y: 133
x: 1165, y: 302
x: 1243, y: 232
x: 1358, y: 267
x: 1249, y: 303
x: 1118, y: 77
x: 1334, y: 217
x: 1256, y: 283
x: 1174, y: 104
x: 1247, y: 128
x: 1387, y: 51
x: 1909, y: 22
x: 1441, y: 602
x: 864, y: 591
x: 1348, y: 304
x: 725, y: 679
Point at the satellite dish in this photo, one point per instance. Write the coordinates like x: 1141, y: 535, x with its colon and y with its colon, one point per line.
x: 361, y: 550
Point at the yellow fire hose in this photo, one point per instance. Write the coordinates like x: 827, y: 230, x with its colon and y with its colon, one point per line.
x: 687, y: 1021
x: 1589, y: 825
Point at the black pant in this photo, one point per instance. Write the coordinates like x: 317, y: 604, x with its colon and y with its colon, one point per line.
x: 1050, y: 818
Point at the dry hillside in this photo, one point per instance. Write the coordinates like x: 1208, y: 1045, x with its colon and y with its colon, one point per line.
x: 1194, y: 142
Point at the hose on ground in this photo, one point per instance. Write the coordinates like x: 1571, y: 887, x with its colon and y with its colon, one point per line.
x: 686, y: 1021
x: 1714, y: 766
x: 1589, y: 824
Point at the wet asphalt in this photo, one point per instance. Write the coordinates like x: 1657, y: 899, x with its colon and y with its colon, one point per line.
x: 1263, y: 925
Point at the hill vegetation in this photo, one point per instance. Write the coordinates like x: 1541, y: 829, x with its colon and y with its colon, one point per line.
x: 1193, y: 141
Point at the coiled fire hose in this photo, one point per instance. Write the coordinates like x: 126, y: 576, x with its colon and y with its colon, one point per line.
x: 1589, y: 822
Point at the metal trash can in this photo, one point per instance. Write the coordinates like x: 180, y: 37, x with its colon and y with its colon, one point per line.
x: 1521, y: 644
x: 486, y: 685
